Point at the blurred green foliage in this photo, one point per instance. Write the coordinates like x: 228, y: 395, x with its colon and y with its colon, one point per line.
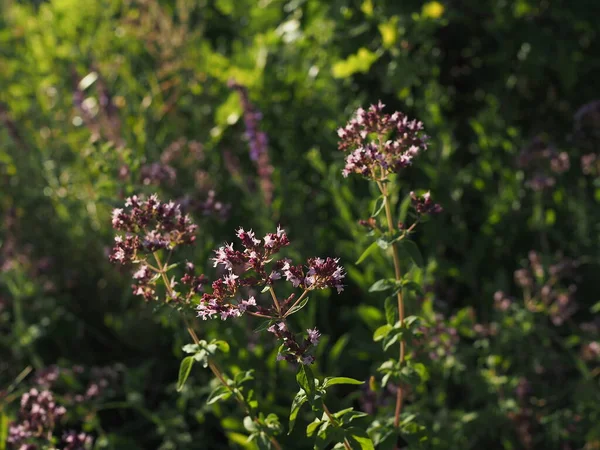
x: 92, y: 93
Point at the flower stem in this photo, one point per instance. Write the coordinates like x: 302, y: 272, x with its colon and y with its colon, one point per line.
x: 335, y: 423
x: 275, y: 301
x: 398, y: 273
x: 296, y: 303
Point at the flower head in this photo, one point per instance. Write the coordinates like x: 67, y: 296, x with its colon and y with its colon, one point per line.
x: 424, y: 204
x: 380, y: 143
x: 149, y: 225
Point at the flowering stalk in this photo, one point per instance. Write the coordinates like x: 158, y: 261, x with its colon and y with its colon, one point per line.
x: 379, y: 145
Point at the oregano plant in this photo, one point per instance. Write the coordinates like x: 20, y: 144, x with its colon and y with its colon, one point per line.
x: 152, y: 230
x: 379, y: 147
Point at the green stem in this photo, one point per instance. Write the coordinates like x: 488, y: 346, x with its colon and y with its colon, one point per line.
x: 398, y: 273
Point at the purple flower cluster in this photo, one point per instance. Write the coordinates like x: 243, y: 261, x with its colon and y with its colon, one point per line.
x: 100, y: 380
x: 544, y: 162
x: 38, y: 415
x: 157, y: 173
x: 253, y: 261
x: 379, y: 143
x: 294, y: 351
x: 257, y: 140
x: 543, y: 290
x: 438, y: 338
x: 149, y: 226
x: 76, y: 441
x: 254, y: 267
x: 590, y: 164
x: 424, y: 205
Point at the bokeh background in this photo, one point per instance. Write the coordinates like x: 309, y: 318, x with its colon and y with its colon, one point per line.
x: 102, y: 99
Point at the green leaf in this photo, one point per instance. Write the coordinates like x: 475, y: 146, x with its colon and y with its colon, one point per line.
x: 347, y: 415
x: 367, y: 252
x: 377, y: 209
x: 242, y: 377
x: 358, y: 436
x: 219, y: 393
x: 306, y: 379
x: 264, y: 325
x: 299, y: 400
x: 340, y: 380
x: 382, y: 332
x: 312, y: 427
x: 223, y: 346
x: 391, y: 339
x: 411, y: 285
x: 410, y: 321
x: 382, y: 285
x: 250, y: 425
x: 184, y: 371
x: 298, y: 307
x: 595, y: 309
x: 391, y: 310
x: 414, y: 252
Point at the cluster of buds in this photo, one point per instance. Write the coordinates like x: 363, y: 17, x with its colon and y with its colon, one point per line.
x: 76, y: 441
x: 256, y: 267
x: 543, y: 290
x: 157, y: 173
x: 176, y: 161
x: 438, y: 339
x: 424, y: 205
x: 38, y: 416
x: 380, y: 143
x: 590, y: 164
x: 98, y: 381
x: 591, y: 351
x: 544, y: 161
x: 293, y: 350
x: 150, y: 226
x: 502, y: 302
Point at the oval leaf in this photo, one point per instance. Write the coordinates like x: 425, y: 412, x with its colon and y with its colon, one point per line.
x: 220, y: 393
x: 340, y: 380
x: 184, y: 371
x: 381, y: 332
x: 367, y: 252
